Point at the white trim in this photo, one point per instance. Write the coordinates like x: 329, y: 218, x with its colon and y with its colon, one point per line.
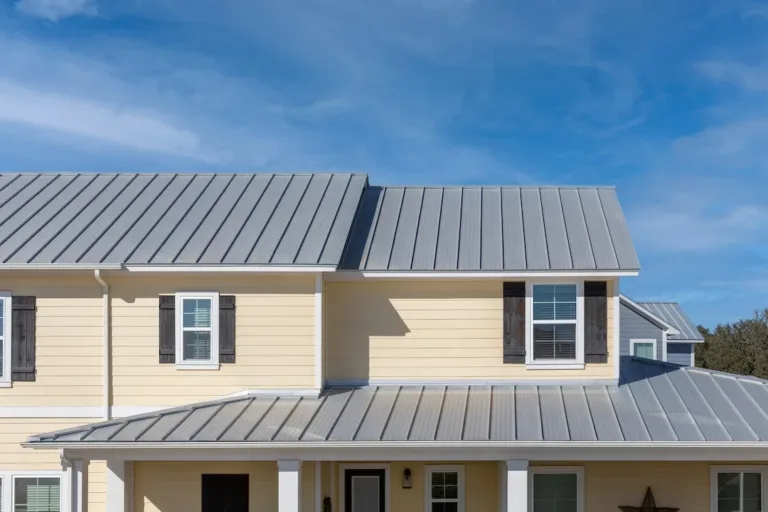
x: 554, y: 274
x: 318, y: 486
x: 503, y: 477
x: 616, y: 347
x: 387, y: 482
x: 549, y: 470
x: 429, y: 471
x: 8, y: 483
x: 566, y: 451
x: 575, y: 381
x: 105, y: 341
x: 635, y: 341
x: 640, y: 310
x: 319, y: 332
x: 283, y: 392
x: 715, y: 470
x: 116, y: 485
x: 261, y: 269
x: 213, y: 362
x: 555, y: 364
x: 515, y: 485
x: 664, y: 342
x: 6, y: 298
x: 289, y: 489
x: 693, y: 355
x: 59, y: 266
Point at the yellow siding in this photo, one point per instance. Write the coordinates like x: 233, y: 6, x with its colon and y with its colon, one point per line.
x: 176, y: 486
x: 415, y: 330
x: 274, y: 328
x: 13, y: 457
x: 69, y: 343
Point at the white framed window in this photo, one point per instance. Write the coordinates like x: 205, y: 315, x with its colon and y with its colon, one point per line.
x: 738, y: 488
x: 31, y: 491
x: 5, y: 338
x: 643, y: 348
x: 555, y: 325
x: 559, y: 489
x: 197, y: 330
x: 444, y: 489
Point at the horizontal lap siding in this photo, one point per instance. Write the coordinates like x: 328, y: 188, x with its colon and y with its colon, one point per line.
x: 635, y: 326
x: 680, y: 353
x: 274, y: 345
x: 177, y: 486
x: 69, y: 341
x: 427, y: 330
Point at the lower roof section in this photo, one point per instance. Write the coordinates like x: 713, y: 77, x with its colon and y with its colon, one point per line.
x: 654, y: 402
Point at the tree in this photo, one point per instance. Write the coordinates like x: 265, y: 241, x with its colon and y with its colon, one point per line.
x: 740, y: 347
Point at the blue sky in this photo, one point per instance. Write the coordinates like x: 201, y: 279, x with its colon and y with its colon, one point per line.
x: 666, y: 100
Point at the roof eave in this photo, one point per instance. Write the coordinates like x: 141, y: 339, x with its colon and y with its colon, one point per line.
x: 640, y: 310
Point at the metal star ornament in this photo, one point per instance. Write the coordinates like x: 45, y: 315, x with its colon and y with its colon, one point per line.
x: 649, y: 505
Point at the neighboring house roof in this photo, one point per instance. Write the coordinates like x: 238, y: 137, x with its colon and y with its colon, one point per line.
x: 655, y: 401
x: 640, y: 310
x: 231, y: 219
x: 672, y: 313
x: 490, y: 229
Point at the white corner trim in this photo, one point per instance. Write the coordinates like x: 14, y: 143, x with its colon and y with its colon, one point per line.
x: 365, y: 465
x: 262, y: 269
x: 514, y: 484
x: 635, y: 341
x: 665, y: 341
x: 319, y: 329
x: 693, y: 356
x: 5, y: 379
x: 616, y: 329
x: 105, y: 341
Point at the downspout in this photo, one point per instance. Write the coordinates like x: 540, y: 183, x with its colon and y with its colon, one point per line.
x: 105, y: 298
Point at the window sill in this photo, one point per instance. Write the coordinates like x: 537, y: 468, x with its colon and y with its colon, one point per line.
x: 6, y: 384
x: 197, y: 366
x: 552, y: 365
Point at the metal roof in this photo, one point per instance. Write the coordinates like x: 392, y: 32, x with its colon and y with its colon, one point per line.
x: 673, y: 314
x: 237, y: 219
x: 655, y: 401
x: 490, y: 229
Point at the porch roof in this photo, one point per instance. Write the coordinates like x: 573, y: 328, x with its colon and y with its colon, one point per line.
x: 654, y: 402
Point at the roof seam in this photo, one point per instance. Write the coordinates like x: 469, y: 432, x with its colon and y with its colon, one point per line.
x: 394, y: 234
x: 418, y: 228
x: 565, y: 228
x: 312, y: 417
x: 178, y: 423
x: 639, y: 412
x: 145, y: 429
x: 311, y: 221
x: 437, y: 233
x: 269, y: 217
x: 440, y: 413
x: 657, y: 400
x: 351, y: 230
x: 523, y: 230
x: 415, y: 413
x: 738, y: 413
x: 586, y: 229
x: 338, y: 416
x: 365, y: 413
x: 26, y: 202
x: 285, y: 420
x: 226, y: 217
x: 261, y: 418
x: 247, y: 219
x: 608, y: 230
x: 389, y: 414
x: 12, y: 181
x: 237, y: 417
x: 464, y: 417
x: 544, y: 231
x: 501, y: 229
x: 374, y: 227
x: 708, y: 405
x: 290, y: 219
x: 685, y: 406
x: 206, y: 422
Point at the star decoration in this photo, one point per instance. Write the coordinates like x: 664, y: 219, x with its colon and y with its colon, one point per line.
x: 649, y: 505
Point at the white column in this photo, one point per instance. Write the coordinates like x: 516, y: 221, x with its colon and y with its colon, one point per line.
x: 119, y: 486
x: 78, y: 489
x: 288, y: 486
x: 517, y: 486
x: 318, y: 486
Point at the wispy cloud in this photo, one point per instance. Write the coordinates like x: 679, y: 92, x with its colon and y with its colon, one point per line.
x: 55, y: 10
x: 747, y: 77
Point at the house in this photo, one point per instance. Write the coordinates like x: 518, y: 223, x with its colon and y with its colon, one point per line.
x: 298, y: 342
x: 658, y: 330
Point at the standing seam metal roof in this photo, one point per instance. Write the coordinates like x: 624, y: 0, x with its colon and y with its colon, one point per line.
x: 235, y: 219
x: 655, y: 401
x: 672, y: 313
x: 490, y: 229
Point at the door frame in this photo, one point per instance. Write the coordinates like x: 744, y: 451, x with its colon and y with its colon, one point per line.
x: 341, y: 506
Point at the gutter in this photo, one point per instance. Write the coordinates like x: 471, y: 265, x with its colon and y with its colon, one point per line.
x: 107, y: 352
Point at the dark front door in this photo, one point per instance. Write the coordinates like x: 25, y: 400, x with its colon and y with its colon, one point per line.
x: 364, y: 490
x: 225, y: 493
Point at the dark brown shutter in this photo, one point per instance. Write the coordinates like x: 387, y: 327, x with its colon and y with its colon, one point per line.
x: 167, y: 329
x: 23, y: 313
x: 514, y: 323
x: 226, y: 328
x: 595, y: 322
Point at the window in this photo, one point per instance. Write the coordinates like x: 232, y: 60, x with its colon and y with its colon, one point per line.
x: 555, y: 324
x: 444, y: 489
x: 36, y: 494
x: 5, y: 337
x: 738, y: 489
x: 643, y: 348
x: 197, y: 330
x: 557, y: 489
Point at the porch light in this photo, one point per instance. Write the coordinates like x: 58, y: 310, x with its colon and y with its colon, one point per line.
x: 407, y: 484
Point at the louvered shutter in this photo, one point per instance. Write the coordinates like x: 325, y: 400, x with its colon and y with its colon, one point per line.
x: 167, y: 331
x: 23, y: 319
x: 226, y: 328
x: 514, y: 323
x: 595, y: 322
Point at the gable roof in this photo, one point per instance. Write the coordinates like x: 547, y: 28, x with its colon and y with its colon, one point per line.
x: 640, y: 310
x: 164, y: 219
x: 655, y: 401
x: 672, y: 313
x: 490, y: 229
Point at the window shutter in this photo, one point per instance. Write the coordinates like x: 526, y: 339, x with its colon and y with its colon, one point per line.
x: 167, y: 319
x: 595, y: 322
x: 226, y: 328
x: 514, y: 323
x: 23, y: 314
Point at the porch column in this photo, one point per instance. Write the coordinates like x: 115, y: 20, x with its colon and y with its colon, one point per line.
x: 119, y: 486
x: 517, y: 486
x: 288, y: 486
x: 78, y: 486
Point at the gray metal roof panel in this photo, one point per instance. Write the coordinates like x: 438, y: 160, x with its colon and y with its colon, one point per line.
x: 655, y: 401
x: 166, y: 219
x: 673, y: 314
x: 490, y: 229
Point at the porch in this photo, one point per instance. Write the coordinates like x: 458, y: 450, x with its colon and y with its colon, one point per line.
x: 431, y: 486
